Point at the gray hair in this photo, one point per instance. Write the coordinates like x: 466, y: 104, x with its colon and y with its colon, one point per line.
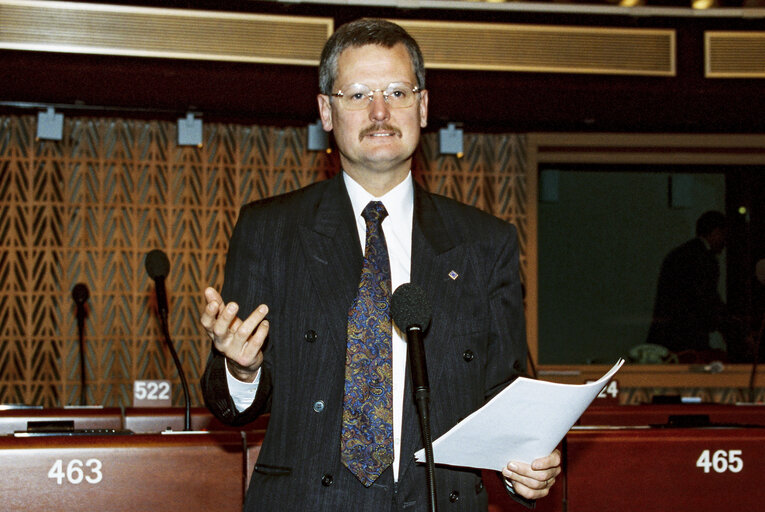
x: 361, y: 33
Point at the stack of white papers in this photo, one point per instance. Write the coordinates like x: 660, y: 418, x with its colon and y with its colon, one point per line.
x: 525, y: 421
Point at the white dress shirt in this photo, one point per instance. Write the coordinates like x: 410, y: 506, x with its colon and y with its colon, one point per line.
x: 397, y: 227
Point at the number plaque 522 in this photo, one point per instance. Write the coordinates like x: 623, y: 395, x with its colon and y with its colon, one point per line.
x: 152, y: 393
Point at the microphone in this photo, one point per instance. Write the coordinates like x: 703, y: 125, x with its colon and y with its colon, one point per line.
x: 80, y: 294
x: 411, y: 312
x: 158, y: 266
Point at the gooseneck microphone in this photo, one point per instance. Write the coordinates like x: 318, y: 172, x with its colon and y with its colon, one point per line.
x: 80, y: 294
x: 411, y: 312
x: 158, y: 267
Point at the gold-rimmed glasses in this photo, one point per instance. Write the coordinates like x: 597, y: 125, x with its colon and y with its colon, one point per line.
x: 359, y: 96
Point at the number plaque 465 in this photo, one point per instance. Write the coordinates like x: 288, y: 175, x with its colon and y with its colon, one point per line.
x: 721, y: 461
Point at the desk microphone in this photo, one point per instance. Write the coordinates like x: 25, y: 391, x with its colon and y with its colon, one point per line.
x: 158, y: 267
x: 411, y: 312
x: 80, y: 294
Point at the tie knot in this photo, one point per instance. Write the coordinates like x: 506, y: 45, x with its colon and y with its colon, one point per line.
x: 374, y: 212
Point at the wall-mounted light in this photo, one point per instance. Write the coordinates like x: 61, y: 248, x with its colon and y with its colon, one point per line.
x: 50, y: 125
x: 189, y: 131
x: 703, y: 4
x: 318, y: 139
x: 450, y: 140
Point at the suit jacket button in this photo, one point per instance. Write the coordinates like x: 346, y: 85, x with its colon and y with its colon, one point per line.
x: 327, y: 480
x: 310, y: 336
x: 318, y: 406
x: 454, y: 496
x: 468, y: 355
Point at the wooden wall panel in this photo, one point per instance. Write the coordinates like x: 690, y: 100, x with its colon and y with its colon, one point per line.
x: 88, y: 209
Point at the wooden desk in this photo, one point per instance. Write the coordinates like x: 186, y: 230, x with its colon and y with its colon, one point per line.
x: 665, y: 469
x: 659, y: 414
x: 135, y: 472
x: 13, y: 420
x: 160, y: 419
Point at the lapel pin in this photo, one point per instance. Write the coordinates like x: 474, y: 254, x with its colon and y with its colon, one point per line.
x: 454, y: 275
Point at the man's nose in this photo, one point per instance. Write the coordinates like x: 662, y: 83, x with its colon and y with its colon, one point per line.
x: 378, y: 107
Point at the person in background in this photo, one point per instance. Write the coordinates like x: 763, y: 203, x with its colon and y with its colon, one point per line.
x: 302, y: 328
x: 688, y: 307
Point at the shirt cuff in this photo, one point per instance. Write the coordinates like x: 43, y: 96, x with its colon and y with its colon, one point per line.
x: 242, y: 393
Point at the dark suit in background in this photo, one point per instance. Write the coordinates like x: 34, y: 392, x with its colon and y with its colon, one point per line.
x: 300, y: 253
x: 688, y: 306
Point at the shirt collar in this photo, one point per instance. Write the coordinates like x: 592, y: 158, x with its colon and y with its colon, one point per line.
x: 399, y: 201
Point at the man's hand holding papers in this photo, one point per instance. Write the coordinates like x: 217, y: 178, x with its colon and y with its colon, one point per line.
x: 535, y: 416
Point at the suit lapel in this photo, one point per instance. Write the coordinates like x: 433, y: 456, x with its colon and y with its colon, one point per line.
x: 333, y: 255
x: 434, y: 254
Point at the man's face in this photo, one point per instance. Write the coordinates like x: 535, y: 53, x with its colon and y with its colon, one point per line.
x: 716, y: 240
x: 377, y: 142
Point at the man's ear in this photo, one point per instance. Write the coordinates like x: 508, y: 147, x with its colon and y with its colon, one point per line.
x: 325, y: 112
x: 423, y: 108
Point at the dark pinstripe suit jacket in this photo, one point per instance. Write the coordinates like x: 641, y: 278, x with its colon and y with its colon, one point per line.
x: 300, y: 254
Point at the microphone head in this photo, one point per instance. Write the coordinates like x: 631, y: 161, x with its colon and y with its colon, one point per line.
x: 157, y: 264
x: 80, y: 293
x: 410, y: 307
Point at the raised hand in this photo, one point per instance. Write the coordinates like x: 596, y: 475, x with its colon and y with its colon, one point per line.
x: 241, y: 341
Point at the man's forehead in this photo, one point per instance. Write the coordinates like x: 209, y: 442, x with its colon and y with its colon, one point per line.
x: 397, y: 50
x: 373, y: 57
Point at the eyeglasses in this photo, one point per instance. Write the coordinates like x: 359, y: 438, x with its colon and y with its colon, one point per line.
x: 359, y: 96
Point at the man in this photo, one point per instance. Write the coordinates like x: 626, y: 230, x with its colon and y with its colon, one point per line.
x: 295, y: 262
x: 688, y: 306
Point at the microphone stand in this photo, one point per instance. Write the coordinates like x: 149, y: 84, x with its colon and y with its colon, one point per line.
x: 422, y: 399
x: 757, y: 342
x: 531, y: 361
x: 81, y: 334
x: 166, y: 332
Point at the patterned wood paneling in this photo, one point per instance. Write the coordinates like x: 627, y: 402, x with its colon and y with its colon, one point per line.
x: 492, y: 176
x: 88, y: 208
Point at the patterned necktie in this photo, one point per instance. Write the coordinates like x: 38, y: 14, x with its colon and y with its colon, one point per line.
x: 366, y: 443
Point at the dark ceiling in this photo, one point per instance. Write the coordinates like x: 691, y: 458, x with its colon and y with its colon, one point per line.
x: 482, y: 101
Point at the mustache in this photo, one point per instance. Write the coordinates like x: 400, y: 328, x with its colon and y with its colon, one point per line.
x: 379, y: 127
